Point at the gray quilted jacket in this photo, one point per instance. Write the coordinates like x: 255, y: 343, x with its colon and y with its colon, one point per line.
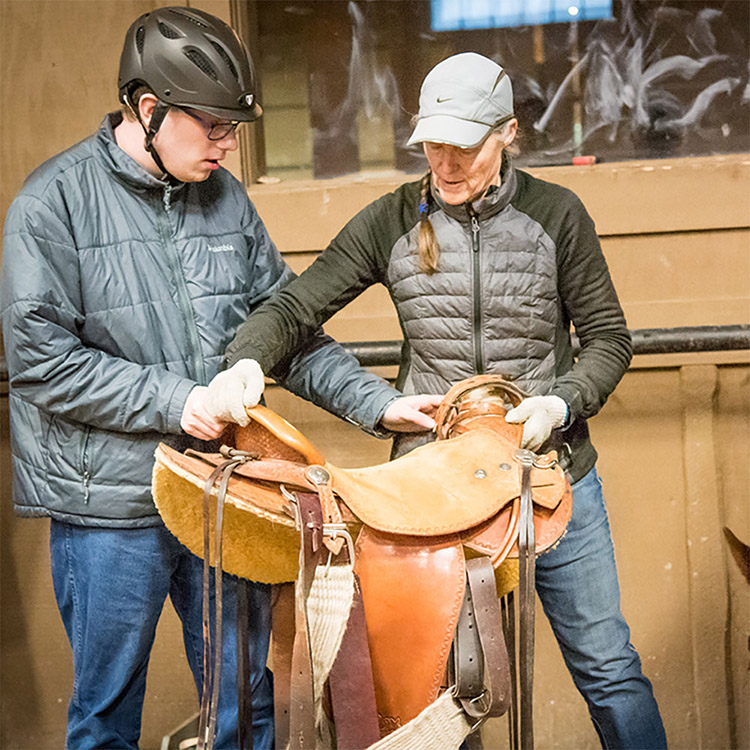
x: 119, y: 294
x: 516, y: 270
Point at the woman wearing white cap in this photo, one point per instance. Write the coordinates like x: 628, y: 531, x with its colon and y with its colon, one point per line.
x: 488, y: 267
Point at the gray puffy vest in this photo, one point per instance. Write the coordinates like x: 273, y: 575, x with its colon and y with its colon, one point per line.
x: 492, y: 306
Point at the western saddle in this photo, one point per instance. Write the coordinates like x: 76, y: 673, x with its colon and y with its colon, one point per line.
x: 388, y: 630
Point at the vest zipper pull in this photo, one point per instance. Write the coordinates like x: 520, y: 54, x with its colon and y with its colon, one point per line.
x: 475, y: 233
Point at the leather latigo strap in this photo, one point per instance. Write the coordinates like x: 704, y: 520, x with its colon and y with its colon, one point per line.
x: 244, y: 684
x: 488, y: 618
x: 352, y: 685
x: 508, y: 614
x: 302, y: 732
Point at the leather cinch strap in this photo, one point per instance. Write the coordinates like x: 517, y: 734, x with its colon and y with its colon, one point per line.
x: 508, y: 611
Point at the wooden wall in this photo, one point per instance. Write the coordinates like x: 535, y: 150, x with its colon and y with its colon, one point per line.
x: 673, y: 439
x: 58, y: 76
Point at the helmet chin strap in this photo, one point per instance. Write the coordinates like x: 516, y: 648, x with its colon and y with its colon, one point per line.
x: 157, y: 118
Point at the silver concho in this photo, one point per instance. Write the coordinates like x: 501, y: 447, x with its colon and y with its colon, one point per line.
x: 318, y: 475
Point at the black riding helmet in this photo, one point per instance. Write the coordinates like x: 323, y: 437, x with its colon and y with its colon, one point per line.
x: 191, y: 59
x: 188, y: 58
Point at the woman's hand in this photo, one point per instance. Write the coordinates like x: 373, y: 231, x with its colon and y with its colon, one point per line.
x: 412, y: 413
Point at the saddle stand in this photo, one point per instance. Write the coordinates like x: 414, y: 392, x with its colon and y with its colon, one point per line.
x: 388, y: 631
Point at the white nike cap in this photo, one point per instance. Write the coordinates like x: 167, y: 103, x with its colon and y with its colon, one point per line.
x: 461, y: 100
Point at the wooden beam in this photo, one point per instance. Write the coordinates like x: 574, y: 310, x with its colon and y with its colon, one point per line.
x: 706, y: 562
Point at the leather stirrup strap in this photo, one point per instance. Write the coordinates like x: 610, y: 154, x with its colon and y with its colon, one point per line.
x: 481, y: 579
x: 212, y: 656
x: 355, y: 714
x: 527, y: 601
x: 302, y: 732
x: 482, y: 673
x: 283, y: 641
x: 508, y: 609
x: 244, y: 683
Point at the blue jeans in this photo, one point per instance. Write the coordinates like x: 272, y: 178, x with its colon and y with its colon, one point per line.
x: 577, y: 584
x: 111, y: 585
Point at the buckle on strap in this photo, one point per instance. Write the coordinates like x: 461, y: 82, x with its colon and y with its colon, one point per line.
x: 335, y: 531
x: 468, y: 705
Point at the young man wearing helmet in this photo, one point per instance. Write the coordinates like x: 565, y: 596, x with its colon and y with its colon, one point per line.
x: 129, y: 261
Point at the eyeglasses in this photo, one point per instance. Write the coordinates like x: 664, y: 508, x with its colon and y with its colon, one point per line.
x: 215, y: 131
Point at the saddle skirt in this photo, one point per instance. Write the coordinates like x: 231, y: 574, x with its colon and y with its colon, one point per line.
x: 448, y: 487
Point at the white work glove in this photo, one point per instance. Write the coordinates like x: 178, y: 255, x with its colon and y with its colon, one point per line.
x: 539, y: 415
x: 231, y: 392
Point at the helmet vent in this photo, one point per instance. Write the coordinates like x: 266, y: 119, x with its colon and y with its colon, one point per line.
x: 225, y: 57
x: 201, y: 61
x: 189, y: 17
x: 140, y: 36
x: 168, y: 32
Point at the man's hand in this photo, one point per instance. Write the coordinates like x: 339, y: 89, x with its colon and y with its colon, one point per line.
x: 231, y: 392
x: 540, y: 415
x: 411, y: 413
x: 196, y: 420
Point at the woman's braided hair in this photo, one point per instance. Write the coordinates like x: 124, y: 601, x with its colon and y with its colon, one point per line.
x: 427, y: 244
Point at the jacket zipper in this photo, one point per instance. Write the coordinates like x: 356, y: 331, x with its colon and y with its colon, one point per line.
x: 83, y: 462
x: 477, y: 289
x: 165, y: 230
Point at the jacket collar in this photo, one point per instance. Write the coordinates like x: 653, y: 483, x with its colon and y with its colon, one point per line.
x: 494, y: 201
x: 123, y: 167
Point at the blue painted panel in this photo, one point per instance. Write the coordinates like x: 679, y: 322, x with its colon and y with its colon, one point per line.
x: 453, y: 15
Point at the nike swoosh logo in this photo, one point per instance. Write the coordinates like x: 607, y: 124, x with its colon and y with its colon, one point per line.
x: 445, y: 99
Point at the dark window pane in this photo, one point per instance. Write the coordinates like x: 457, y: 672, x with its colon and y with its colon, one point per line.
x: 340, y: 80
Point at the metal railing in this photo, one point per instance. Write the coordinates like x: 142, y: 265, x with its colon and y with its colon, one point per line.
x: 645, y: 341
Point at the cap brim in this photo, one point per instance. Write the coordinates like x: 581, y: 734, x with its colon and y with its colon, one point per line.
x: 451, y: 130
